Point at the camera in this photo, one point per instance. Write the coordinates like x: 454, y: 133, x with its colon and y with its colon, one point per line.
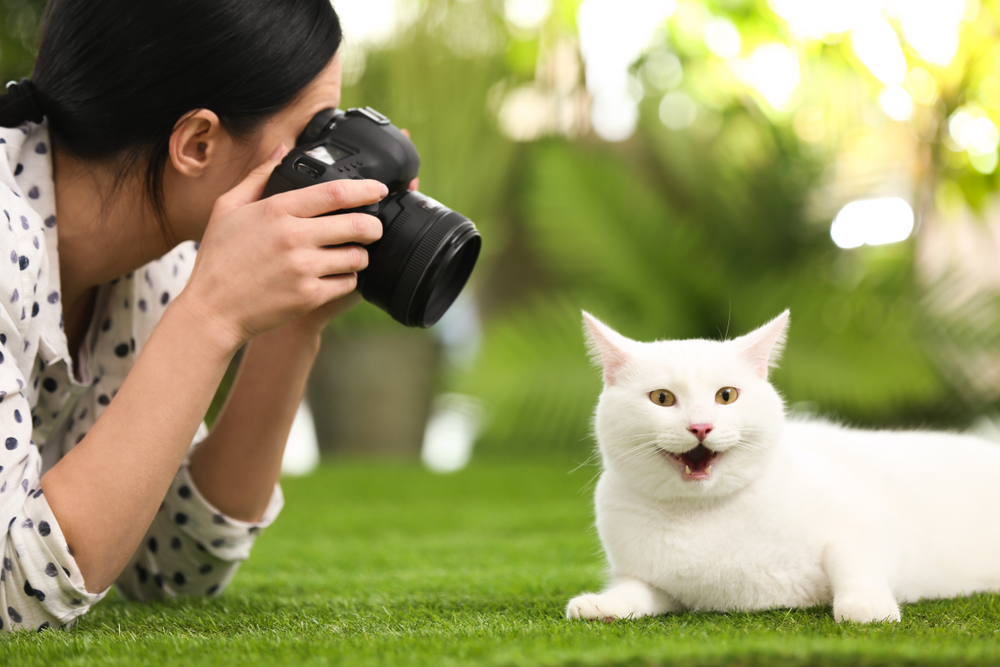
x: 427, y: 251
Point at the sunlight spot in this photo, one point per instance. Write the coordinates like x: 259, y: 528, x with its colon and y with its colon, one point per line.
x: 973, y: 131
x: 527, y: 14
x: 876, y: 46
x: 614, y: 118
x: 722, y: 38
x: 678, y: 111
x: 896, y: 103
x: 663, y: 70
x: 773, y: 69
x: 872, y: 222
x: 815, y: 19
x: 613, y: 35
x: 931, y: 27
x: 374, y: 23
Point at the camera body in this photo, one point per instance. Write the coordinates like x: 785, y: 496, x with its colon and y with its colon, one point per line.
x: 427, y: 251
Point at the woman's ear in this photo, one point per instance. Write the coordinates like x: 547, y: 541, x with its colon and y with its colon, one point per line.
x: 195, y: 141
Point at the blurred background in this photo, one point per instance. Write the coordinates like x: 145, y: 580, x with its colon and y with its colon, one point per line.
x: 679, y: 168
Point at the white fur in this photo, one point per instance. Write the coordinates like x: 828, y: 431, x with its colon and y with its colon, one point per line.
x: 794, y: 513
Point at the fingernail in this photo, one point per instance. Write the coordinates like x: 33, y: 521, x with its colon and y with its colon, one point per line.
x: 383, y: 190
x: 278, y: 153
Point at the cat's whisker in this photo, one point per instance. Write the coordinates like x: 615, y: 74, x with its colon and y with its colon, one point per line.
x: 590, y: 460
x: 638, y: 451
x: 625, y: 454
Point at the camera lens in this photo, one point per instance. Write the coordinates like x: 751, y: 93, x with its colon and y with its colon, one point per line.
x: 423, y: 260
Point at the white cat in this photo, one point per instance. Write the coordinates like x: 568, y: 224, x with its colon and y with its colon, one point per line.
x: 710, y: 499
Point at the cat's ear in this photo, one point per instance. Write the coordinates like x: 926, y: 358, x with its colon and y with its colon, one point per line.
x: 607, y: 347
x: 764, y: 346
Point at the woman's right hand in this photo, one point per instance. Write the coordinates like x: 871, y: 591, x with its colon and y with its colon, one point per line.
x: 265, y: 262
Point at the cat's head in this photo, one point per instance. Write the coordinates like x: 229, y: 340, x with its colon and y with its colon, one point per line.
x: 687, y: 418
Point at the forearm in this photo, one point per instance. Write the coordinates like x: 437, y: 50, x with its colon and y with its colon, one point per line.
x: 236, y: 467
x: 107, y: 489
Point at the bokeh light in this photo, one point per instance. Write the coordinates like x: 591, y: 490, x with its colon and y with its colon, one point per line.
x: 897, y: 103
x: 723, y: 38
x: 678, y: 111
x: 527, y: 14
x: 773, y: 69
x: 872, y: 222
x: 876, y: 46
x: 613, y: 35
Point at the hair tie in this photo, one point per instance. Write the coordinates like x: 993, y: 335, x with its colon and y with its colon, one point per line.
x: 20, y: 104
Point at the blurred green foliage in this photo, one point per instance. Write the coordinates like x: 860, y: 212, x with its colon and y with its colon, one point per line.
x: 703, y: 232
x: 19, y: 21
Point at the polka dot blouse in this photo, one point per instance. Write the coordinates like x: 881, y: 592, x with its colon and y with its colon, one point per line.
x: 46, y: 410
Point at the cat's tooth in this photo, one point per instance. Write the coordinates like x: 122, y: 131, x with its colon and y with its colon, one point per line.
x: 708, y: 470
x: 687, y: 470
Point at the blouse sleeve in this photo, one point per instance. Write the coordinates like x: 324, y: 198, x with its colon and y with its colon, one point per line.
x: 40, y: 583
x: 191, y: 548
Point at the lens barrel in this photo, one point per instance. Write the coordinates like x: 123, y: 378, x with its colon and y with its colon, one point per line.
x: 427, y: 251
x: 423, y: 260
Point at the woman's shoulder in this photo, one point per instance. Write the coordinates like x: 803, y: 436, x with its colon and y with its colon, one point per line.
x: 26, y: 215
x: 23, y: 224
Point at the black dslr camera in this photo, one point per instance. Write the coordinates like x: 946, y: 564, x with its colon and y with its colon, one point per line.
x: 427, y: 251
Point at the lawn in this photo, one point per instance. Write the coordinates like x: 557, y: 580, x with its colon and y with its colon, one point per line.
x: 381, y: 565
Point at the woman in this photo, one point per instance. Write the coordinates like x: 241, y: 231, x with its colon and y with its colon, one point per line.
x: 145, y: 129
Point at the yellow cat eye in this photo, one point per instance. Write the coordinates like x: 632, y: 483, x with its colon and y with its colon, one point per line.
x: 727, y: 395
x: 661, y: 397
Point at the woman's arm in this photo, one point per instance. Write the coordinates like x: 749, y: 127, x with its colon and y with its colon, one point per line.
x: 236, y: 467
x: 106, y: 491
x: 238, y: 464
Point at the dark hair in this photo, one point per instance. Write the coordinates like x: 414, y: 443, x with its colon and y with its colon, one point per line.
x: 115, y: 76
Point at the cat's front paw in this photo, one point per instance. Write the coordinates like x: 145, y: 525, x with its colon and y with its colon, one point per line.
x: 866, y: 606
x: 603, y: 606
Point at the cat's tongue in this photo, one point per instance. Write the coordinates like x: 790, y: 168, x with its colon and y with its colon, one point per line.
x: 697, y: 462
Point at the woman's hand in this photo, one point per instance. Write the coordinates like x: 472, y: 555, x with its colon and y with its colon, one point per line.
x: 263, y: 263
x: 315, y: 321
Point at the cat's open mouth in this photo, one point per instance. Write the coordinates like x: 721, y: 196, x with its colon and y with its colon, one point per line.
x: 695, y: 463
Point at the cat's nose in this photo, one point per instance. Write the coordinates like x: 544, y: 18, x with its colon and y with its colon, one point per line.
x: 700, y: 431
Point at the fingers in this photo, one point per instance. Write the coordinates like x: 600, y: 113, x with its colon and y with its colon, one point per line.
x: 337, y: 286
x: 340, y: 260
x: 324, y: 198
x: 334, y: 230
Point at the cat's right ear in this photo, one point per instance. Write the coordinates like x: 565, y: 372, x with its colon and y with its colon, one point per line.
x: 764, y: 346
x: 607, y: 347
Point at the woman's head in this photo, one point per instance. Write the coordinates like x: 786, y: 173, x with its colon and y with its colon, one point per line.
x: 115, y: 77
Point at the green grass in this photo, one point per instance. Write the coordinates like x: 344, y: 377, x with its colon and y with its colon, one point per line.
x: 397, y: 566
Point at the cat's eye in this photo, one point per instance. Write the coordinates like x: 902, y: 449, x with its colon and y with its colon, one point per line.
x: 727, y: 395
x: 661, y: 397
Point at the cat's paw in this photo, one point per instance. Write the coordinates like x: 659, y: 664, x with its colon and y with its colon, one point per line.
x: 866, y: 606
x: 603, y: 606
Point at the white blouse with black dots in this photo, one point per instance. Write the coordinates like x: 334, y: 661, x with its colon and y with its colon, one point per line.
x: 45, y: 410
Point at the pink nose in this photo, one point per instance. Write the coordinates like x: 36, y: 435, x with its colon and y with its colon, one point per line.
x: 700, y: 431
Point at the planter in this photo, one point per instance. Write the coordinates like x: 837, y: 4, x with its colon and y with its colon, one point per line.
x: 371, y: 392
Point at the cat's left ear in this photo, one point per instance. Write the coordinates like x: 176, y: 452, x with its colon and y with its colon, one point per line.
x: 608, y: 348
x: 763, y: 347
